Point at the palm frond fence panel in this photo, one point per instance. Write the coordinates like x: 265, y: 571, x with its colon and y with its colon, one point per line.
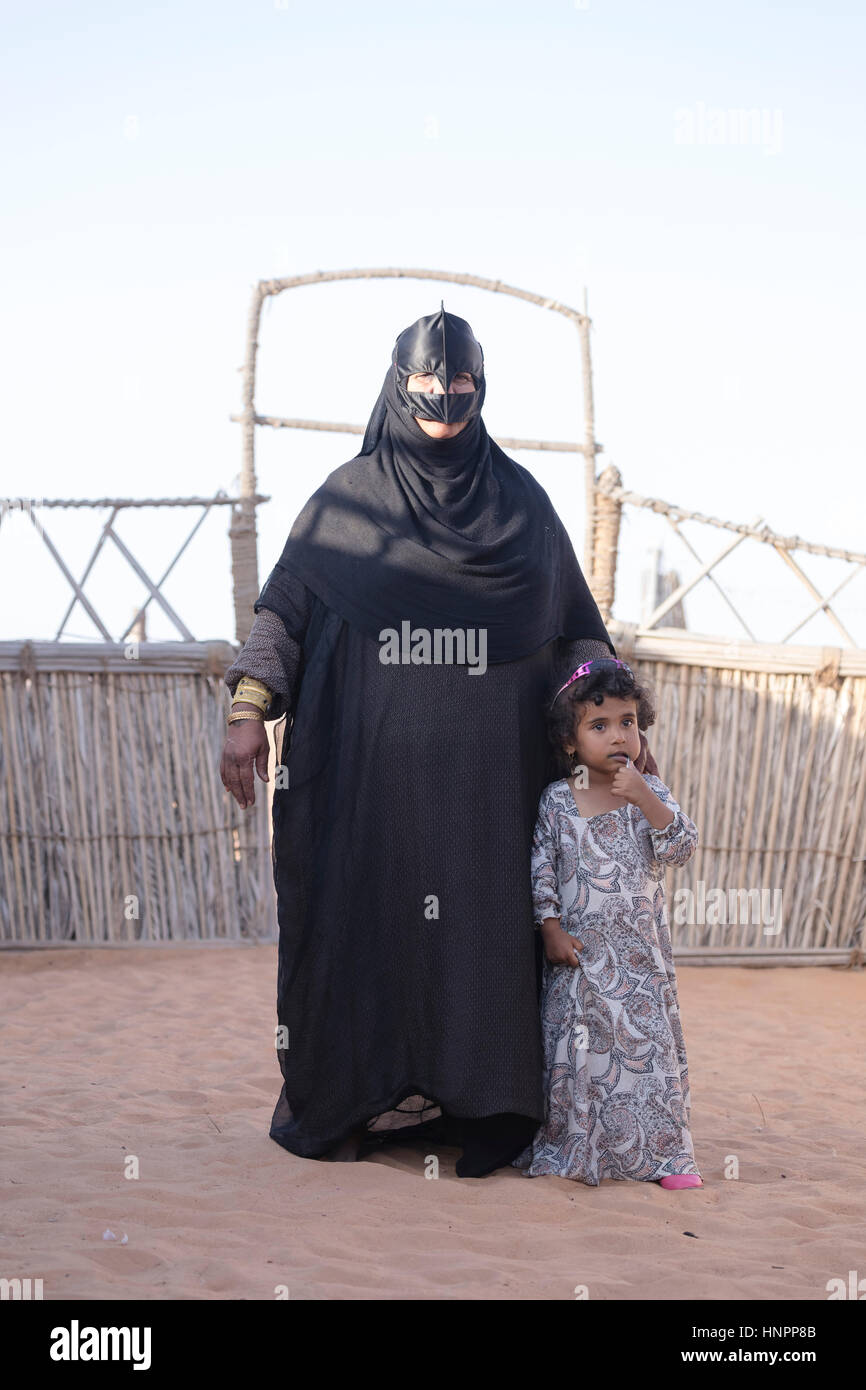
x: 764, y: 746
x: 116, y: 828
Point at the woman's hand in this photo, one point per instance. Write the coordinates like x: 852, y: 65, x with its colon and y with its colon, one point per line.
x: 559, y: 947
x: 645, y: 762
x: 246, y: 746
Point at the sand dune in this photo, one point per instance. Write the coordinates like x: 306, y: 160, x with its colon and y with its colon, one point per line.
x: 167, y: 1054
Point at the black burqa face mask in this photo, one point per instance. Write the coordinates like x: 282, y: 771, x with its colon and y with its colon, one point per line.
x: 444, y: 346
x: 444, y: 533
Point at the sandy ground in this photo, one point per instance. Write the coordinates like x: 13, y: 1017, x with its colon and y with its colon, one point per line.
x: 167, y: 1054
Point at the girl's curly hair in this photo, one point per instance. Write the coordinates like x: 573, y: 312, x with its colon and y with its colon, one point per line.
x: 592, y: 688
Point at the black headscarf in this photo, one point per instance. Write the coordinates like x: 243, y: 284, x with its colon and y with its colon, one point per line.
x: 447, y: 533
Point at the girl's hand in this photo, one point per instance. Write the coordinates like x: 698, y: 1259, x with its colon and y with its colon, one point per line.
x: 628, y: 783
x: 561, y: 948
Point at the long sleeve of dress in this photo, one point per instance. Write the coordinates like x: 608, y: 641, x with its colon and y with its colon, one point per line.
x: 677, y: 842
x: 545, y: 887
x: 272, y: 654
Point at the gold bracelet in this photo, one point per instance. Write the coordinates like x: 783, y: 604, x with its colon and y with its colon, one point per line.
x: 243, y: 699
x: 239, y: 714
x: 252, y: 684
x: 255, y: 697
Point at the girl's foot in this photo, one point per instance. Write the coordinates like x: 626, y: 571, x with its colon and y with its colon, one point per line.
x: 682, y: 1180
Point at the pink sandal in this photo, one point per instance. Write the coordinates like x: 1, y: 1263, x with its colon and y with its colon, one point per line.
x: 682, y: 1180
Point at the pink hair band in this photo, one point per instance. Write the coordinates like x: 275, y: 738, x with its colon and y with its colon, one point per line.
x: 584, y: 670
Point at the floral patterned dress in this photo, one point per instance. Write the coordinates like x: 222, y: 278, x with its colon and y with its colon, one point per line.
x: 615, y: 1071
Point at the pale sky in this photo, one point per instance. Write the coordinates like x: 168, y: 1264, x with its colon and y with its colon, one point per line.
x: 159, y: 159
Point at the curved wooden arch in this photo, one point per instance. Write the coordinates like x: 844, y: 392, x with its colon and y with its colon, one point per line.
x: 243, y: 527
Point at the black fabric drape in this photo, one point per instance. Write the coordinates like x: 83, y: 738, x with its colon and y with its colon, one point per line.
x: 406, y: 784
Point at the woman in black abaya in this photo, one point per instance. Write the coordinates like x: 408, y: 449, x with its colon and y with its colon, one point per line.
x: 407, y: 970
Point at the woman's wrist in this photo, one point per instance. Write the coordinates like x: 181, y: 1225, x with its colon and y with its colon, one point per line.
x: 242, y: 712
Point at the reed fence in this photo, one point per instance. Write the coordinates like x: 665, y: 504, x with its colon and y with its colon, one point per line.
x: 116, y: 828
x: 764, y: 746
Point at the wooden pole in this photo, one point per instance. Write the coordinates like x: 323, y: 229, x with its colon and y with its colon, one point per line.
x: 606, y: 544
x: 242, y: 531
x: 589, y: 446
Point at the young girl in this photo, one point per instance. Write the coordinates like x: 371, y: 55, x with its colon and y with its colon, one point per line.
x: 615, y: 1069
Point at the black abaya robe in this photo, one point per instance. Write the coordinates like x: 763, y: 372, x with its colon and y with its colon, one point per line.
x: 408, y: 959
